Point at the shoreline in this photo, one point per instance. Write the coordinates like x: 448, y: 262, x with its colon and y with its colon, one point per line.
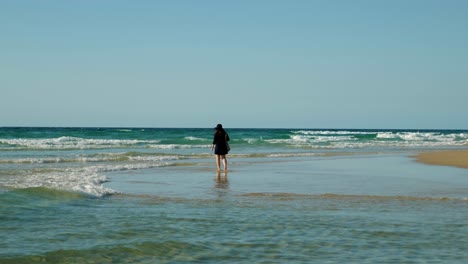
x: 453, y: 158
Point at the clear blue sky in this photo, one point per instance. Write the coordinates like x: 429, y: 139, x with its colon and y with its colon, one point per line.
x: 307, y: 64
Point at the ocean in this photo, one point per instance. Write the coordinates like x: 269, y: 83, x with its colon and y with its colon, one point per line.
x: 153, y: 195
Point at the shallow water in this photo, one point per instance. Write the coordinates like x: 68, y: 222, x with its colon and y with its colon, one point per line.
x: 240, y: 228
x: 92, y: 196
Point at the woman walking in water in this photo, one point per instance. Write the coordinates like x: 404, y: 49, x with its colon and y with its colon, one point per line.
x: 220, y: 146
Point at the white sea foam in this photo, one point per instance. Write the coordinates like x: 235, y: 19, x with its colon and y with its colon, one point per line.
x: 154, y: 158
x: 195, y: 139
x: 328, y: 132
x: 87, y: 180
x: 383, y: 139
x: 176, y: 146
x: 125, y: 167
x: 298, y: 138
x: 87, y: 177
x: 32, y: 160
x: 104, y: 157
x: 72, y: 143
x: 301, y: 140
x: 251, y: 140
x: 77, y: 180
x: 386, y: 135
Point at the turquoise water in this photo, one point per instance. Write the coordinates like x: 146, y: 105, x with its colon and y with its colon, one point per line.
x: 142, y: 195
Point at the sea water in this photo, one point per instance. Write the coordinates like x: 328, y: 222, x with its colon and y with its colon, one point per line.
x: 153, y: 195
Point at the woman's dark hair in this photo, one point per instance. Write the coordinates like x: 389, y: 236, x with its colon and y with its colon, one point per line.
x: 220, y: 131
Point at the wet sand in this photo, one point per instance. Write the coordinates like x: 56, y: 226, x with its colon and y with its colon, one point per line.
x: 456, y: 158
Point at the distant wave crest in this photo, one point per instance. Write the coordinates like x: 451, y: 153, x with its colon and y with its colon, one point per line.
x: 62, y: 143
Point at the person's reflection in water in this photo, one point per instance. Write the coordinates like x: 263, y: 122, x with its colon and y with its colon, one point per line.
x: 222, y: 180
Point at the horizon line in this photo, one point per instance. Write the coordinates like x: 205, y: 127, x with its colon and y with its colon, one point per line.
x: 169, y: 127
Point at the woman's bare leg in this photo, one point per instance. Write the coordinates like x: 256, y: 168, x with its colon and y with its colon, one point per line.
x: 218, y: 162
x: 224, y: 162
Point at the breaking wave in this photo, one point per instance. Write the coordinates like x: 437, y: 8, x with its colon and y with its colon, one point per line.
x: 63, y: 143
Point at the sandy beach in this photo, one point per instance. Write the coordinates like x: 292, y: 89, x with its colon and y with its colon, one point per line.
x: 456, y: 158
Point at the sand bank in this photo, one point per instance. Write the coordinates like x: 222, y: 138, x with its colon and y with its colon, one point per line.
x: 457, y: 158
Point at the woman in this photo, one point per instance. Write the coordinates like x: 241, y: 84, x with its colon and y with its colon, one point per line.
x: 220, y: 146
